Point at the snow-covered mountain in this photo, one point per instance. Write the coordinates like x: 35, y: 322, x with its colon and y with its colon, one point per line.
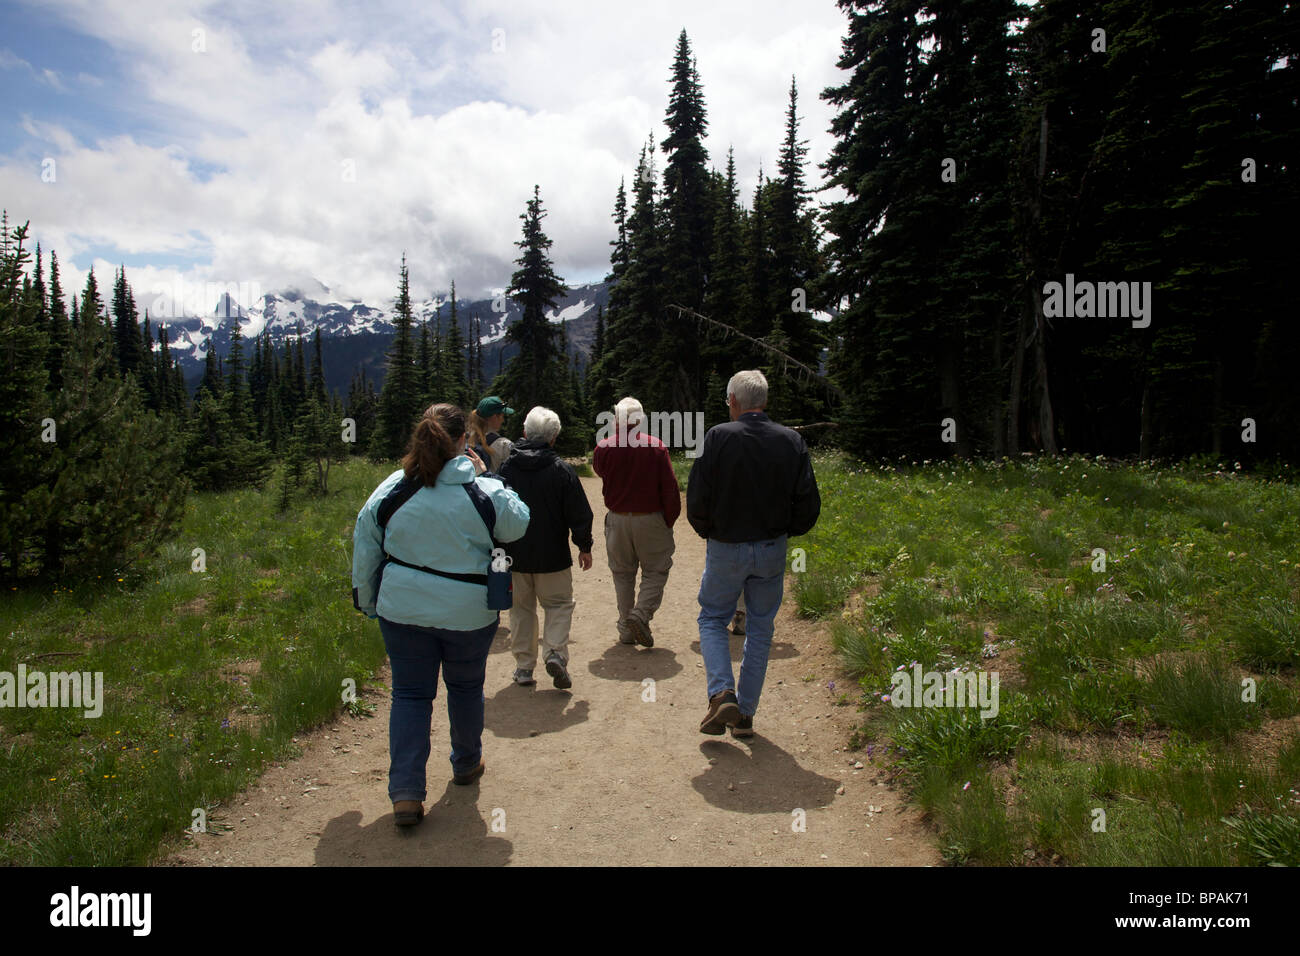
x: 357, y: 334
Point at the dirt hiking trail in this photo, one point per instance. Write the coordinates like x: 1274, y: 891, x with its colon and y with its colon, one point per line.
x: 596, y: 775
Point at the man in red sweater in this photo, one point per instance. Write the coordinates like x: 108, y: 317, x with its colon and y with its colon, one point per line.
x: 643, y: 499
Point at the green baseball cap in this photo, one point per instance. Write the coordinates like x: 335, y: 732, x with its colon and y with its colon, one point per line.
x: 492, y: 405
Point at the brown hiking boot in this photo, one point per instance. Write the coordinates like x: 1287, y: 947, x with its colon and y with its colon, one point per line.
x: 465, y: 779
x: 407, y: 813
x: 723, y: 713
x: 744, y: 727
x: 738, y: 624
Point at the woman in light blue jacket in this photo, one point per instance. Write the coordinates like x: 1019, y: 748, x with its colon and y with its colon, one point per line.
x: 418, y: 569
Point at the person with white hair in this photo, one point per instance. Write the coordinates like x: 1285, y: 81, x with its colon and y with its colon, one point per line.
x: 751, y: 489
x: 643, y: 501
x: 541, y: 563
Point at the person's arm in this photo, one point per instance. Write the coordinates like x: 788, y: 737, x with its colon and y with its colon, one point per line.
x: 512, y: 513
x: 670, y: 493
x: 806, y: 503
x: 367, y: 555
x: 699, y: 488
x: 578, y: 516
x: 597, y: 459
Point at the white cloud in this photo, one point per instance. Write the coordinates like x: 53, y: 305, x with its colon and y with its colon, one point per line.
x: 445, y: 136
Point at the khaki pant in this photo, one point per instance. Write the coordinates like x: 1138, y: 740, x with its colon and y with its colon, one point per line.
x: 554, y: 592
x: 632, y: 540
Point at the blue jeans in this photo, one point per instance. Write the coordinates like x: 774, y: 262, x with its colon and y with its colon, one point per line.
x: 416, y: 654
x: 755, y: 569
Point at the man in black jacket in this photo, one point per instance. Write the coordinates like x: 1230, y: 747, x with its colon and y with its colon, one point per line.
x: 751, y: 488
x: 541, y: 563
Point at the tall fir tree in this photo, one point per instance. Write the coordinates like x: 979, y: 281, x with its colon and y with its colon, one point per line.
x: 452, y: 359
x: 399, y: 400
x: 688, y: 231
x: 535, y: 374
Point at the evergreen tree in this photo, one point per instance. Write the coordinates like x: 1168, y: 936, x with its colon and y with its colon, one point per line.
x: 236, y: 390
x: 633, y: 322
x: 60, y: 330
x: 452, y: 361
x: 688, y: 231
x: 300, y: 392
x: 92, y: 306
x: 211, y: 382
x: 426, y: 362
x: 361, y: 408
x: 598, y: 390
x: 89, y: 479
x: 146, y: 372
x: 533, y: 375
x: 795, y: 265
x: 724, y: 298
x: 126, y: 325
x: 317, y: 386
x: 399, y: 401
x: 24, y: 499
x: 478, y: 381
x: 320, y: 441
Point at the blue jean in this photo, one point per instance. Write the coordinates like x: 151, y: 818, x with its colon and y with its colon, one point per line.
x: 416, y: 654
x: 755, y: 569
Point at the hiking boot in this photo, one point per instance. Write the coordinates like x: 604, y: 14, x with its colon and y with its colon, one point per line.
x: 555, y: 667
x: 744, y: 727
x: 625, y: 635
x: 407, y: 813
x: 524, y: 678
x: 738, y: 623
x: 641, y: 632
x: 723, y: 712
x: 465, y: 779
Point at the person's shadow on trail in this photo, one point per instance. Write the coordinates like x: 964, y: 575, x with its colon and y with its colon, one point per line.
x: 454, y: 832
x: 520, y: 712
x: 627, y: 662
x: 765, y: 777
x: 780, y: 649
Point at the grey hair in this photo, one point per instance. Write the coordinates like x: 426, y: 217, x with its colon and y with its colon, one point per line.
x: 629, y: 414
x: 542, y: 423
x: 750, y: 389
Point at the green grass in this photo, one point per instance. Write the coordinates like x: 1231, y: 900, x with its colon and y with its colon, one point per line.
x: 1121, y: 682
x: 207, y: 676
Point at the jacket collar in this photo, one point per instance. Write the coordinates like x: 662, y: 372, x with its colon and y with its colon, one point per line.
x: 457, y: 471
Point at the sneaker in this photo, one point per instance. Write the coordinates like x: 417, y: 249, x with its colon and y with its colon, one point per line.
x: 744, y: 727
x: 524, y: 678
x: 555, y: 668
x: 723, y: 712
x: 641, y: 631
x: 738, y: 623
x: 465, y: 779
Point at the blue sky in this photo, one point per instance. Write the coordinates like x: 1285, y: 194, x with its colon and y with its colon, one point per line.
x: 288, y: 144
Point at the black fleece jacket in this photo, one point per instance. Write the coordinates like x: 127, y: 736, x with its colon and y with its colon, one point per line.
x: 753, y: 481
x: 557, y: 507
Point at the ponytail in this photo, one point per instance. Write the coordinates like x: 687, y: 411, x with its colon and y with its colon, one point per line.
x: 433, y: 443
